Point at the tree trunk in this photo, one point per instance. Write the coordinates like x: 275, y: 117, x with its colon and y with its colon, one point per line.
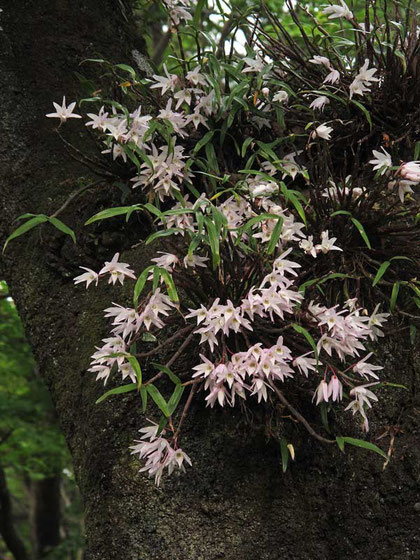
x: 235, y: 503
x: 45, y: 515
x: 7, y: 526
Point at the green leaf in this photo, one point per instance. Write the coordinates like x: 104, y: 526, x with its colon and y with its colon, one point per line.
x: 340, y: 442
x: 156, y: 277
x: 308, y: 336
x: 174, y: 378
x: 381, y: 271
x: 413, y: 334
x: 127, y: 68
x: 141, y: 281
x: 214, y: 242
x: 364, y: 110
x: 62, y: 227
x: 170, y: 285
x: 362, y: 232
x: 360, y: 443
x: 158, y: 399
x: 396, y: 385
x: 111, y: 212
x: 137, y: 369
x: 323, y: 408
x: 245, y: 146
x: 256, y: 219
x: 197, y: 13
x: 206, y: 138
x: 416, y: 151
x: 148, y: 337
x: 36, y: 220
x: 275, y: 236
x: 162, y: 233
x: 118, y: 391
x: 162, y: 423
x: 175, y: 398
x: 284, y: 454
x: 143, y: 395
x: 394, y: 296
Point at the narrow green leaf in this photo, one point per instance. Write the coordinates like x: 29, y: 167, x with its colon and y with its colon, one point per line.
x: 365, y: 445
x: 158, y: 399
x: 364, y: 110
x: 381, y: 271
x: 413, y: 334
x: 156, y: 278
x: 197, y: 13
x: 396, y: 385
x: 323, y: 408
x: 245, y: 146
x: 362, y: 232
x: 141, y: 281
x: 118, y: 391
x: 36, y: 220
x: 308, y: 336
x: 416, y: 151
x: 206, y: 138
x: 62, y: 227
x: 162, y: 423
x: 175, y: 398
x: 214, y: 242
x: 170, y: 285
x: 394, y: 296
x: 340, y: 443
x: 127, y: 68
x: 275, y: 236
x: 174, y: 378
x: 143, y: 395
x: 162, y: 233
x: 111, y: 212
x: 284, y: 454
x: 137, y: 369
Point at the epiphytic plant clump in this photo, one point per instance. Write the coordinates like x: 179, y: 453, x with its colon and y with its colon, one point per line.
x: 279, y: 184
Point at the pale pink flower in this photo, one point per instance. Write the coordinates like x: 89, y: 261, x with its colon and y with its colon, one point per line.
x: 63, y: 113
x: 336, y: 11
x: 333, y: 77
x: 335, y: 388
x: 88, y: 277
x: 322, y: 393
x: 322, y: 131
x: 319, y: 102
x: 281, y: 96
x: 382, y: 161
x: 411, y: 171
x: 117, y: 270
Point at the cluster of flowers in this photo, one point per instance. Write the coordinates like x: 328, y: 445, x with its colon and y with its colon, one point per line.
x: 409, y: 171
x: 158, y: 453
x: 338, y: 355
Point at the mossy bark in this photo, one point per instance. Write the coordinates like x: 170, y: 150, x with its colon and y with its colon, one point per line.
x: 235, y: 503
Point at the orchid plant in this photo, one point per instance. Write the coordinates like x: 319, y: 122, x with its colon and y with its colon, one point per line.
x: 267, y: 188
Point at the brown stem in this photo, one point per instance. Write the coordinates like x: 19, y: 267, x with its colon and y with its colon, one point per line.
x: 169, y: 340
x: 74, y: 195
x: 186, y: 407
x: 299, y: 416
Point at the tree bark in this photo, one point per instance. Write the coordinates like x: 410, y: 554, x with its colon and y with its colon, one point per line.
x: 7, y: 526
x: 235, y: 502
x: 45, y: 515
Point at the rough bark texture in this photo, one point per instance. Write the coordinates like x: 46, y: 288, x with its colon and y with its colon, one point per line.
x: 45, y: 515
x: 235, y: 503
x: 7, y: 527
